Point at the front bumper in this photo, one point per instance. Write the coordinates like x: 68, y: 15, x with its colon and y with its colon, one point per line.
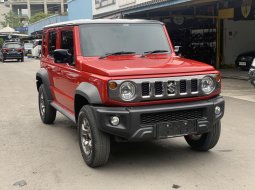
x: 142, y: 123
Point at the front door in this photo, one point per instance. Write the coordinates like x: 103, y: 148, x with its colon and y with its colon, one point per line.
x: 66, y: 74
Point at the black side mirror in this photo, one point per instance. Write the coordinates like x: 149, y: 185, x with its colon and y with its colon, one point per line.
x: 178, y: 50
x: 62, y: 56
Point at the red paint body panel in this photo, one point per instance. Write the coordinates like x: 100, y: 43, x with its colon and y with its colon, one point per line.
x: 65, y: 79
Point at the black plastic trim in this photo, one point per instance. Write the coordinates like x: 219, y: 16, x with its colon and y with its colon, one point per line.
x: 42, y: 74
x: 90, y: 92
x: 130, y: 127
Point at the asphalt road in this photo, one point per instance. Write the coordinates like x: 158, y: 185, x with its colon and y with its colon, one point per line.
x: 48, y: 157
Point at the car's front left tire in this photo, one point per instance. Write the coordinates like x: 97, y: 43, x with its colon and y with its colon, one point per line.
x: 94, y: 144
x: 47, y: 112
x: 205, y: 142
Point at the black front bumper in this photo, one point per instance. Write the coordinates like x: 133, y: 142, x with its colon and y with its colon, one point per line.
x: 143, y: 123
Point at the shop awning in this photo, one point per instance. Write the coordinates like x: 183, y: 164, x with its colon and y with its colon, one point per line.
x: 146, y: 6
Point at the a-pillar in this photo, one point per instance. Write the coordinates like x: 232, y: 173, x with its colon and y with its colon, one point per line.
x: 28, y: 9
x: 45, y: 7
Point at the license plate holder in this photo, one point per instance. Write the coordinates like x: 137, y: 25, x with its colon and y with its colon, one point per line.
x: 241, y: 63
x: 176, y: 128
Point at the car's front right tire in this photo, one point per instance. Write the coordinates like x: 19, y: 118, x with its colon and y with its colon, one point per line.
x: 94, y: 144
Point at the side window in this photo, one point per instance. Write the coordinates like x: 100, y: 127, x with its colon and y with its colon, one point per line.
x: 44, y: 44
x: 67, y: 41
x: 52, y: 42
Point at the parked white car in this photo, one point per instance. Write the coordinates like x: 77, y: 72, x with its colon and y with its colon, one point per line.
x: 36, y: 51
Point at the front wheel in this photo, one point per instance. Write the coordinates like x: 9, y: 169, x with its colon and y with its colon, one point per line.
x: 94, y: 144
x: 205, y: 142
x: 47, y: 112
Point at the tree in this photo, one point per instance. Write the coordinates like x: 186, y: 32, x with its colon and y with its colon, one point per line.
x: 38, y: 16
x: 10, y: 19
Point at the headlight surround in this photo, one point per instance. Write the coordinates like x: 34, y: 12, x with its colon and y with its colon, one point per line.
x: 127, y: 91
x: 208, y: 85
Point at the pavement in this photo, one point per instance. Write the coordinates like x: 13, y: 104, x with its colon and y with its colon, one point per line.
x: 34, y: 156
x: 234, y: 74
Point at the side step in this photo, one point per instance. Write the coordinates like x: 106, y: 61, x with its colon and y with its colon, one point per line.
x: 63, y: 111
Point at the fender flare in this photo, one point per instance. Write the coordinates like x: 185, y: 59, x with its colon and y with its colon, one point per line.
x: 42, y: 75
x: 90, y: 92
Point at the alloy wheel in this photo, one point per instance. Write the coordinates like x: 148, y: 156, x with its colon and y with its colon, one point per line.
x: 86, y: 138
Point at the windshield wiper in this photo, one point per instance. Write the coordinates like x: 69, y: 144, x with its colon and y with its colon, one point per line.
x: 117, y: 53
x: 154, y: 51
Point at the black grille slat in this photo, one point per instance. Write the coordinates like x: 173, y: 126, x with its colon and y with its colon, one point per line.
x: 146, y: 89
x: 194, y: 85
x: 153, y: 118
x: 158, y: 88
x: 183, y: 86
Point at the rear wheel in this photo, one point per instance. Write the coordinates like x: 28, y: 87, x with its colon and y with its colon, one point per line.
x: 205, y: 142
x: 94, y: 144
x: 47, y: 112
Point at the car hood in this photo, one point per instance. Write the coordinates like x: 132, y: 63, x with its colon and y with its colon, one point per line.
x: 134, y: 65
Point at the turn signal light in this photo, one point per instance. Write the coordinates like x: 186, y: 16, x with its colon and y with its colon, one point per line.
x: 113, y: 85
x: 218, y: 78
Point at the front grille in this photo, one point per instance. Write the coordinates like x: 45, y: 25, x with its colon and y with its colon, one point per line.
x: 194, y: 85
x: 170, y: 88
x: 153, y: 118
x: 145, y: 89
x: 183, y: 86
x: 158, y: 88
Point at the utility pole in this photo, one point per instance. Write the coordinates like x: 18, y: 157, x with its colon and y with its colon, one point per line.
x: 45, y: 7
x: 29, y: 9
x: 62, y: 7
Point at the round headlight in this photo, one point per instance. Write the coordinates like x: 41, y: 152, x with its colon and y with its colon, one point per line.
x: 127, y: 91
x: 208, y: 85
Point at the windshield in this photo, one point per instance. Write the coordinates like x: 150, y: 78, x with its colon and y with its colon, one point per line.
x: 13, y: 45
x: 28, y: 45
x: 100, y: 39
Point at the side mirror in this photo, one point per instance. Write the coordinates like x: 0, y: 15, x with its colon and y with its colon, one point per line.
x: 178, y: 50
x: 62, y: 56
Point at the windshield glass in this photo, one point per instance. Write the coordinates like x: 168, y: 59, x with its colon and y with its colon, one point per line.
x: 100, y: 39
x: 12, y: 45
x: 28, y: 45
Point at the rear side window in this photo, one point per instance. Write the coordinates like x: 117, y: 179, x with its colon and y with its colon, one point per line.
x: 52, y: 42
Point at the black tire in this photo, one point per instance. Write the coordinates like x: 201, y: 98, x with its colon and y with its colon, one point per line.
x: 205, y: 141
x: 48, y: 116
x: 98, y: 143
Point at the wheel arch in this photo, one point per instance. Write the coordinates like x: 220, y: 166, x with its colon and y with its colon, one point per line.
x: 85, y: 94
x: 43, y: 78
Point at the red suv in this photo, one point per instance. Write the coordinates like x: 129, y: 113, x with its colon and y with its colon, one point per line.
x: 121, y: 80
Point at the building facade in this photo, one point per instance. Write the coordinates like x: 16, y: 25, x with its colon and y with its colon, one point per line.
x: 28, y: 8
x: 78, y: 9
